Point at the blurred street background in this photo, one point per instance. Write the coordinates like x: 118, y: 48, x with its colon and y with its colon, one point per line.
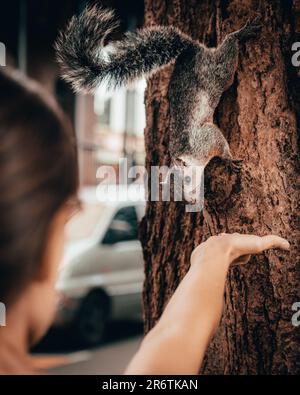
x: 59, y: 353
x: 98, y: 325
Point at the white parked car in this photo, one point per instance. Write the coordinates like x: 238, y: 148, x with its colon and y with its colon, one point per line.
x: 102, y: 274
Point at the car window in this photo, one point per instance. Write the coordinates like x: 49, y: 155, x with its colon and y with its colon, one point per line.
x: 123, y: 227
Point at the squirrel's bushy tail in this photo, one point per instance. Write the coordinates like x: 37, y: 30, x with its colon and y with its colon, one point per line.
x: 86, y: 63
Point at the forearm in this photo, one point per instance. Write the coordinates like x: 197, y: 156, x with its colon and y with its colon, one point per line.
x: 178, y: 342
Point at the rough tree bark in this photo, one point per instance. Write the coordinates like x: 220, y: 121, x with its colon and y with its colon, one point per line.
x: 260, y: 117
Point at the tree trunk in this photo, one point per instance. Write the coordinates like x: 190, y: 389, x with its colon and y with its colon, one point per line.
x: 258, y: 116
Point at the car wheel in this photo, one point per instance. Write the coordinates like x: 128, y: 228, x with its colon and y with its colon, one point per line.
x: 91, y: 319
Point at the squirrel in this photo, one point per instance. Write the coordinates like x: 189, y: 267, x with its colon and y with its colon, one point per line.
x: 199, y: 77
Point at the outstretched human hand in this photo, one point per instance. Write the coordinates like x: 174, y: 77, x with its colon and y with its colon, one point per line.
x: 177, y: 344
x: 236, y: 247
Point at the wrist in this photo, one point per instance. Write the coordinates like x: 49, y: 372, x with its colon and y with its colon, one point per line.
x: 215, y: 265
x: 221, y: 255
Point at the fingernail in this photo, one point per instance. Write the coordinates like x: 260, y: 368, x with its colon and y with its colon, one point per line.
x: 286, y: 244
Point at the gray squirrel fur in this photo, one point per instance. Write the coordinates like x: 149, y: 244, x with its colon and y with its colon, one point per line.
x: 199, y: 77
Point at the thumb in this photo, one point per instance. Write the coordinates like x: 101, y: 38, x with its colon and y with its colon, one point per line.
x: 241, y: 260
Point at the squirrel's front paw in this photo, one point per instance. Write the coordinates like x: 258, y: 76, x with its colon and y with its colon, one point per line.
x: 251, y: 28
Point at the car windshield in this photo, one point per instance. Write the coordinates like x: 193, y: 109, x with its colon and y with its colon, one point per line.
x: 83, y: 224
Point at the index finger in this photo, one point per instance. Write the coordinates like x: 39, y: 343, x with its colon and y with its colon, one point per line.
x: 252, y: 244
x: 273, y: 241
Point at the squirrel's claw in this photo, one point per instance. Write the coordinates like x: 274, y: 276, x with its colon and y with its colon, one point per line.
x: 250, y: 29
x: 236, y: 164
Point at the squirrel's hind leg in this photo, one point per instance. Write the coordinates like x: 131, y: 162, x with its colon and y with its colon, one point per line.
x: 249, y: 30
x: 227, y: 52
x: 227, y: 61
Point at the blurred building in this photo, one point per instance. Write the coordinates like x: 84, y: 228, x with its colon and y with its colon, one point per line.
x: 109, y: 125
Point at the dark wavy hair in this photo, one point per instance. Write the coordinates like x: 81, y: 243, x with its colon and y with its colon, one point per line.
x: 38, y: 175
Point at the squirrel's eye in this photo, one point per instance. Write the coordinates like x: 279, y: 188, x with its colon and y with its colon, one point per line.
x: 187, y: 179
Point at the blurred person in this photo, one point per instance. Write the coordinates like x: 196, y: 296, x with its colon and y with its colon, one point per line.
x: 38, y: 193
x: 38, y: 183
